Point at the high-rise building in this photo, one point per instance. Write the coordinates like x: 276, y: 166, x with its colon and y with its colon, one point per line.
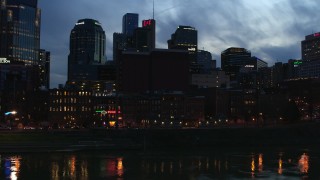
x: 144, y: 38
x: 186, y: 38
x: 310, y: 50
x: 44, y: 68
x: 87, y: 48
x: 119, y: 43
x: 150, y: 25
x: 20, y: 31
x: 233, y: 59
x: 124, y: 41
x: 129, y: 23
x: 204, y: 59
x: 152, y: 71
x: 310, y: 47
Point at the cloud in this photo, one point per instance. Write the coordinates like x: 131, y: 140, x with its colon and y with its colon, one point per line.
x: 270, y: 29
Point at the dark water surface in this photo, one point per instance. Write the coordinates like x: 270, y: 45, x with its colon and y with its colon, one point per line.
x: 255, y: 163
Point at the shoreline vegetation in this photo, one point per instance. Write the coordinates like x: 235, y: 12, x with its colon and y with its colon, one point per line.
x: 299, y: 135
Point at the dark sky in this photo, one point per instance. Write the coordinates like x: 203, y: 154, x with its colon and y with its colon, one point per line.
x: 271, y: 29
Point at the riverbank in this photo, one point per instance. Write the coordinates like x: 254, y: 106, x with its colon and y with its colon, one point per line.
x: 149, y: 139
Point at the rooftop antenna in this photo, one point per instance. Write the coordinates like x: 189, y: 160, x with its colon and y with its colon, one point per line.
x: 153, y: 10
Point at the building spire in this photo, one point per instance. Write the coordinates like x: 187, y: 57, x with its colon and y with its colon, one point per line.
x: 153, y: 10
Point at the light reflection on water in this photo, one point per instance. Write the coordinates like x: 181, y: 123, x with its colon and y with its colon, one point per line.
x: 121, y: 166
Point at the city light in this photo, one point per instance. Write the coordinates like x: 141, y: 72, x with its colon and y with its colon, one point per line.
x: 11, y: 112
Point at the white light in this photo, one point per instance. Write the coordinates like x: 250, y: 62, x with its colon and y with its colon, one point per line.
x: 4, y: 61
x: 80, y: 23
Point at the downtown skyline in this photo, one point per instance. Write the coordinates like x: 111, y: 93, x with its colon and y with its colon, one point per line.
x: 271, y: 30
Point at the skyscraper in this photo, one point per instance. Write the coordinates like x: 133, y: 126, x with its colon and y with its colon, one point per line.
x: 119, y: 43
x: 204, y: 59
x: 144, y: 37
x: 310, y: 51
x: 232, y: 59
x: 87, y: 47
x: 150, y: 25
x: 310, y: 47
x: 20, y: 31
x: 44, y: 68
x: 124, y: 40
x: 129, y: 23
x: 186, y: 38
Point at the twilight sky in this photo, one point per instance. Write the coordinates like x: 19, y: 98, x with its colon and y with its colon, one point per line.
x: 271, y: 29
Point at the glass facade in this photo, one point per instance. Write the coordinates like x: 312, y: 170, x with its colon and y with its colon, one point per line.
x: 44, y: 68
x: 310, y: 47
x: 129, y: 23
x: 87, y: 47
x: 20, y: 31
x: 232, y: 59
x: 186, y: 38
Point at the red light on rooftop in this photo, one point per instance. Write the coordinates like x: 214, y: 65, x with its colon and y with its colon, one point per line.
x: 146, y: 23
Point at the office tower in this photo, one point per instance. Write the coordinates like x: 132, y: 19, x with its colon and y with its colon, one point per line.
x: 310, y: 50
x: 129, y: 23
x: 119, y: 43
x: 150, y: 25
x: 156, y: 70
x: 144, y: 38
x: 20, y: 31
x: 204, y: 59
x: 124, y: 41
x: 259, y: 63
x: 310, y: 47
x: 87, y: 48
x: 44, y: 68
x: 186, y: 38
x: 233, y: 59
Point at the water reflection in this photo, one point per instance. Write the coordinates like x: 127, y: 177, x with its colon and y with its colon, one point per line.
x: 55, y: 171
x: 260, y: 163
x: 304, y: 163
x: 101, y: 166
x: 253, y: 167
x: 280, y: 170
x: 114, y: 168
x: 12, y: 167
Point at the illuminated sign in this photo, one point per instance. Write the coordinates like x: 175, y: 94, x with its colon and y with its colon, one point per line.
x: 4, y: 61
x: 249, y: 66
x: 297, y: 62
x: 108, y: 112
x: 146, y: 23
x: 96, y: 23
x: 191, y: 49
x: 80, y: 23
x: 316, y: 34
x: 112, y: 112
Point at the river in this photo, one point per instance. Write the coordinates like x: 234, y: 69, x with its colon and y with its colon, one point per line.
x: 206, y: 164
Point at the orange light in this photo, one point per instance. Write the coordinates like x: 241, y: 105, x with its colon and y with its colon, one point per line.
x: 304, y: 163
x: 280, y: 166
x: 260, y: 162
x: 112, y: 123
